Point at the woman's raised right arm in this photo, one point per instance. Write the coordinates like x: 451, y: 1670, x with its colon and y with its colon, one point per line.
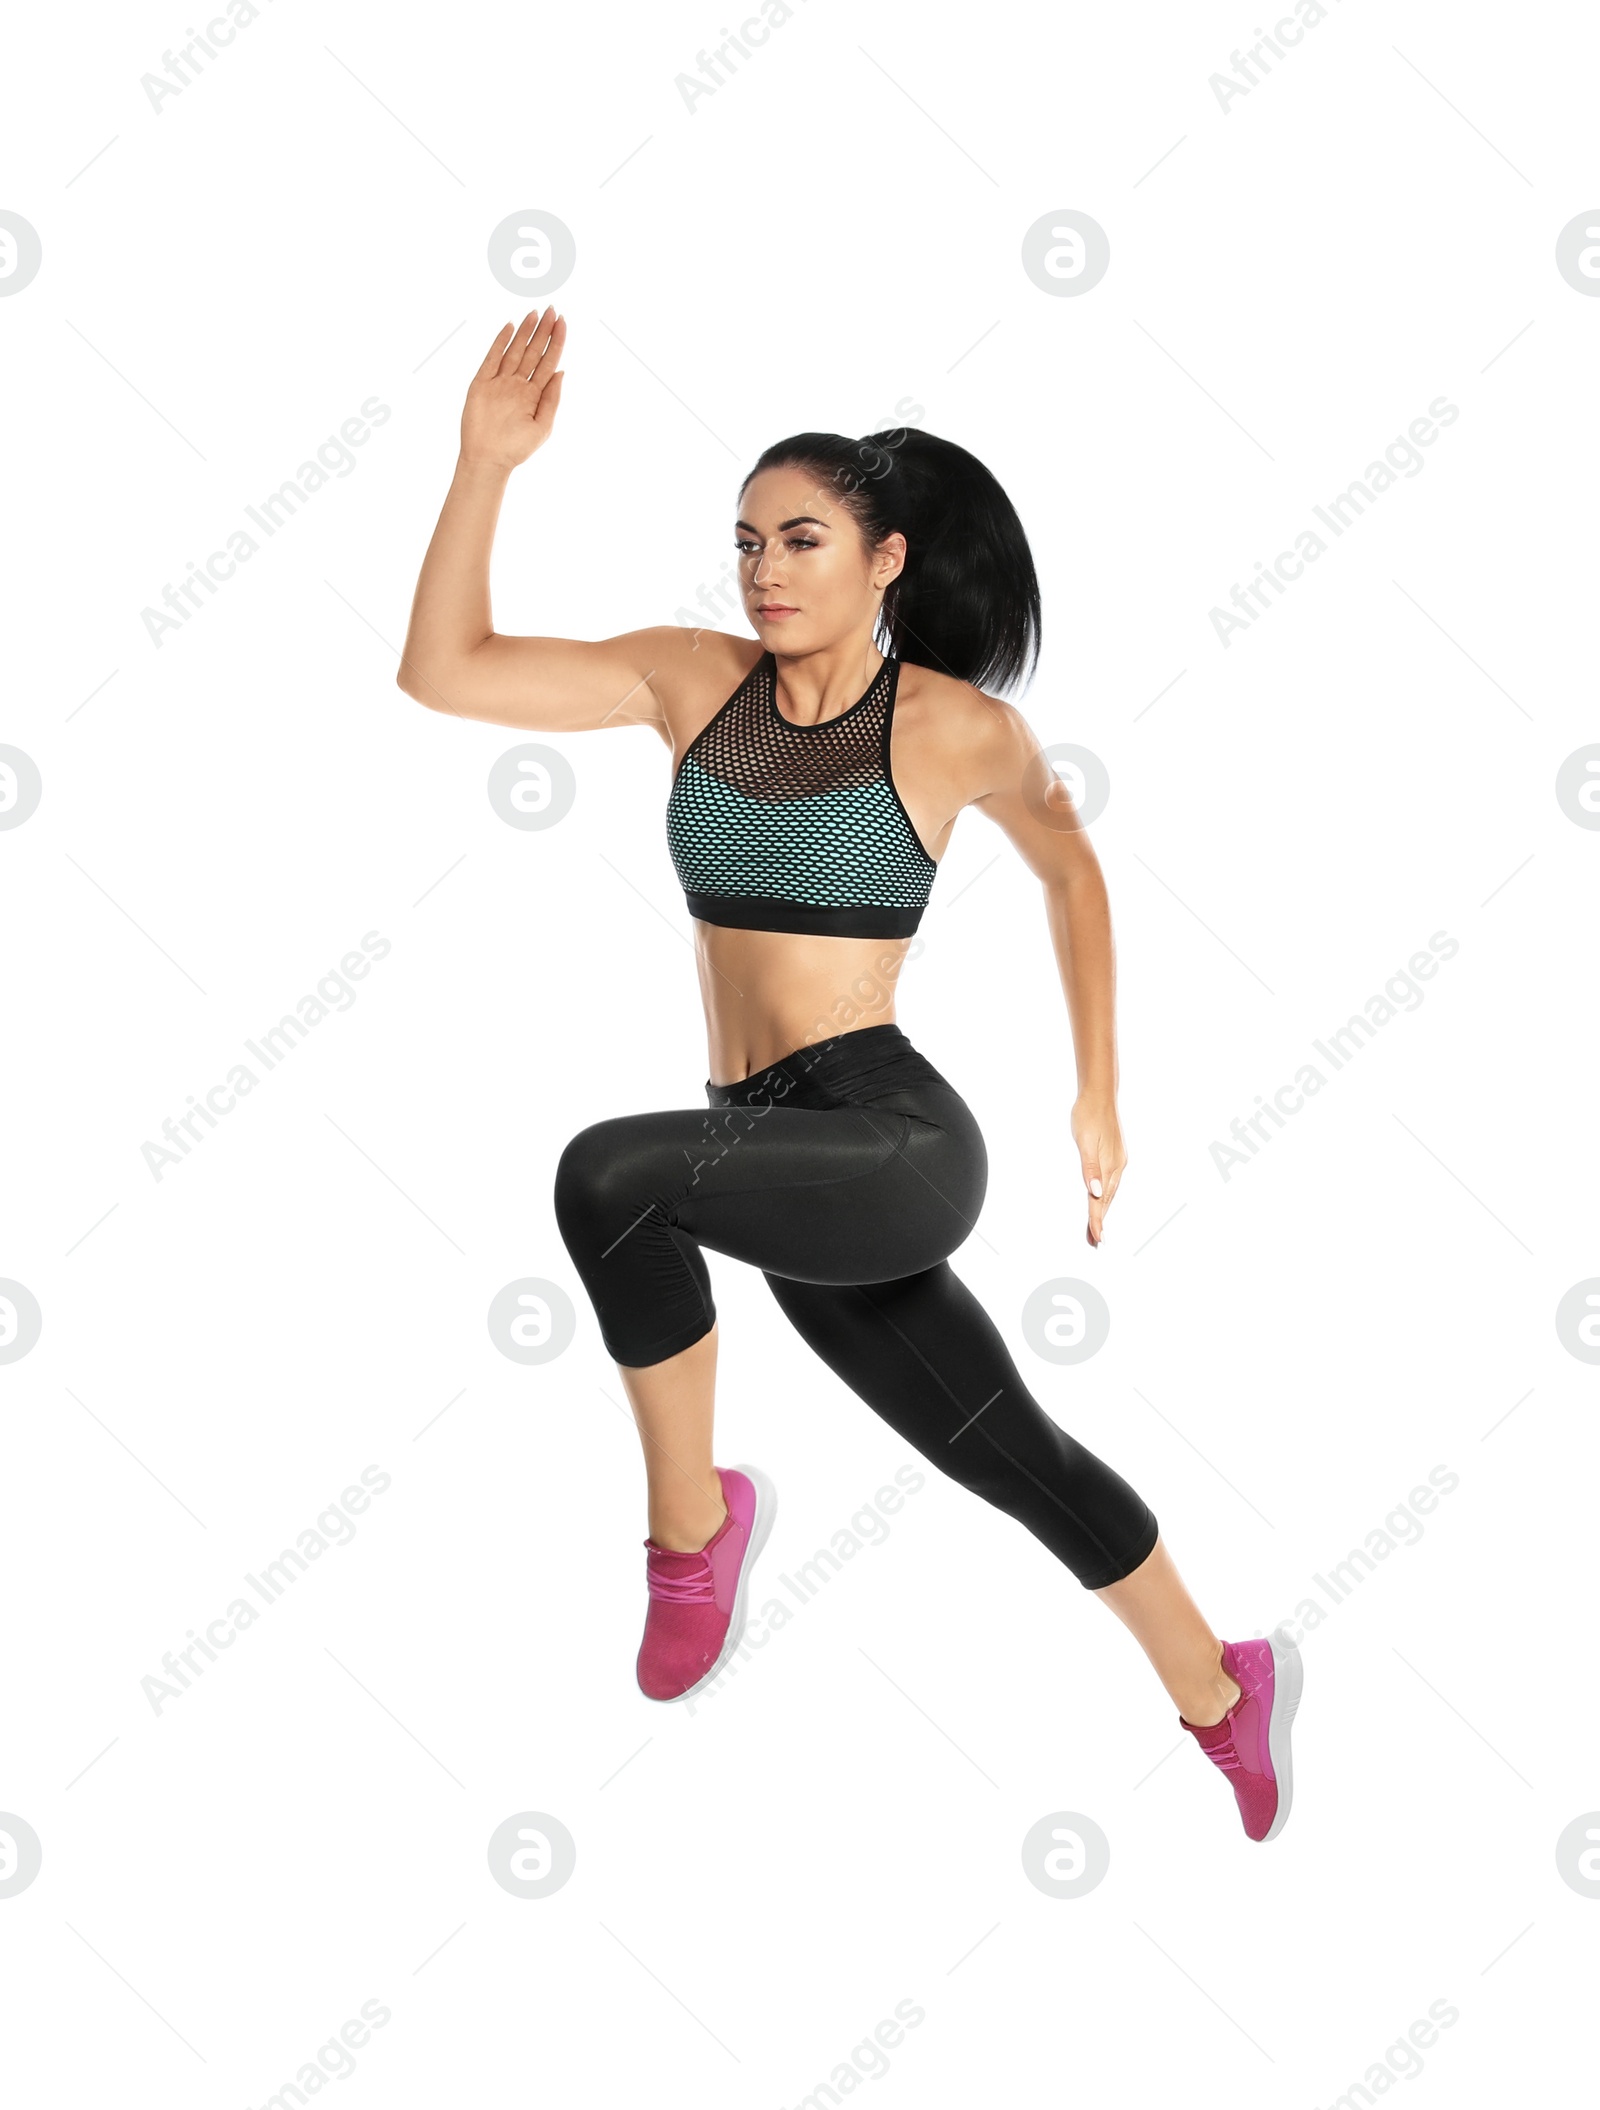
x: 453, y: 659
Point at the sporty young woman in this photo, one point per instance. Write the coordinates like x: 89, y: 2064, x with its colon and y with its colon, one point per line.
x: 818, y: 770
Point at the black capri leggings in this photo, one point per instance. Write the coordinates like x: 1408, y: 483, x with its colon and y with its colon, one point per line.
x: 847, y: 1173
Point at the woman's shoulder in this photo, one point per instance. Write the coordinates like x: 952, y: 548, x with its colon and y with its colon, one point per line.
x: 693, y: 673
x: 957, y: 736
x: 697, y: 659
x: 951, y: 713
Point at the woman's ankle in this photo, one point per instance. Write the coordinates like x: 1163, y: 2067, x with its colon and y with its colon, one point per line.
x: 688, y: 1526
x: 1206, y: 1705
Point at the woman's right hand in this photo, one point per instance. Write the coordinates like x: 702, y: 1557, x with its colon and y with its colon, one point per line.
x: 512, y: 403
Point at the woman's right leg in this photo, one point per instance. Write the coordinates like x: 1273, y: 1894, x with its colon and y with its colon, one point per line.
x: 828, y: 1192
x: 672, y: 1404
x: 824, y: 1192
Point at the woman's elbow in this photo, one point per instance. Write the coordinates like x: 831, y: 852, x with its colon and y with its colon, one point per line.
x: 411, y: 681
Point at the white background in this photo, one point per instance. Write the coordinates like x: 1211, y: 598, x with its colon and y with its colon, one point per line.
x: 1292, y: 1349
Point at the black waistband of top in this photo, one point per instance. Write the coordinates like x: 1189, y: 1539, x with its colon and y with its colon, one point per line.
x: 802, y: 918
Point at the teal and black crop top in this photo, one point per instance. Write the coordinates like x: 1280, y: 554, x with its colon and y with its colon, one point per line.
x: 779, y: 826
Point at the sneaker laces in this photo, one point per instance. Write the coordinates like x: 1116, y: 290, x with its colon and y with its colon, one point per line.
x: 1225, y: 1751
x: 697, y: 1586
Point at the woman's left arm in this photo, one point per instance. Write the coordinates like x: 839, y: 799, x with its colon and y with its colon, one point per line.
x: 1029, y: 802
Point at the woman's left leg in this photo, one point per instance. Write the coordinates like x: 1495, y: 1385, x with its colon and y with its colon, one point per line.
x: 925, y: 1355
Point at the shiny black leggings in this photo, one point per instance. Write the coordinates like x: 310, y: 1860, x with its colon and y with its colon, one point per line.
x: 848, y: 1173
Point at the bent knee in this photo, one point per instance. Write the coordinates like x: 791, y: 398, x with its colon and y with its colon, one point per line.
x: 586, y: 1166
x: 601, y: 1172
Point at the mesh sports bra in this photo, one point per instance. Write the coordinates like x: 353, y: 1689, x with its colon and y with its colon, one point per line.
x: 778, y: 826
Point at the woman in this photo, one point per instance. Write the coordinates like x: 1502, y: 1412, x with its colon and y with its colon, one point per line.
x: 816, y: 782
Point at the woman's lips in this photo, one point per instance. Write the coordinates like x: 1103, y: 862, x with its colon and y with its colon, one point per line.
x: 773, y: 611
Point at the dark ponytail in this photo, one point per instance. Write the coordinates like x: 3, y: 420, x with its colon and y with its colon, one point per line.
x: 967, y: 600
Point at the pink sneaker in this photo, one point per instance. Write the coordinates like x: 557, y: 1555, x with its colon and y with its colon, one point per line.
x: 1251, y: 1742
x: 696, y: 1615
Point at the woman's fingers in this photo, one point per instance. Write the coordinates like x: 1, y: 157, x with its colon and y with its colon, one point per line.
x: 1095, y: 1188
x: 549, y: 353
x: 514, y: 363
x: 516, y: 360
x: 496, y: 351
x: 1102, y: 1175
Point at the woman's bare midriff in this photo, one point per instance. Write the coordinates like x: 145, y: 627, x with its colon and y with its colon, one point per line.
x: 767, y: 993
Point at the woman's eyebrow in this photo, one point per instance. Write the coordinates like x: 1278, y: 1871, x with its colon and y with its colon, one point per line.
x: 799, y: 520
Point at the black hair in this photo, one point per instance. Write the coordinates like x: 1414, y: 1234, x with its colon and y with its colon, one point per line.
x: 966, y: 601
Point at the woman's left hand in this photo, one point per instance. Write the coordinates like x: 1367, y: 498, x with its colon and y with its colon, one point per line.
x: 1098, y: 1135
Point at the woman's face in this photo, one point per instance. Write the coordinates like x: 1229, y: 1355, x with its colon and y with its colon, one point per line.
x: 807, y: 576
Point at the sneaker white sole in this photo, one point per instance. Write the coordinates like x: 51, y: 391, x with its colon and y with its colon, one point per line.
x: 760, y: 1532
x: 1288, y: 1678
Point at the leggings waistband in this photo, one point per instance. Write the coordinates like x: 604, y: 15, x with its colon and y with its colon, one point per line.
x: 833, y: 1071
